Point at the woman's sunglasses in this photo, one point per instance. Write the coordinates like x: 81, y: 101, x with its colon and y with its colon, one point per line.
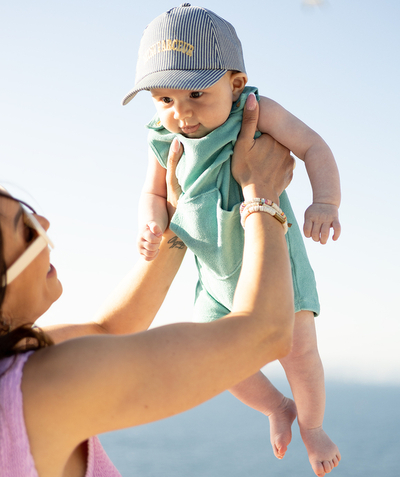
x: 39, y: 242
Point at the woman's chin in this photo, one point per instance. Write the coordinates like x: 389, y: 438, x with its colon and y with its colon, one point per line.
x: 54, y: 285
x: 60, y: 289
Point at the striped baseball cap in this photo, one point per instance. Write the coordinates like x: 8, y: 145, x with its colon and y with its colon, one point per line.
x: 187, y: 47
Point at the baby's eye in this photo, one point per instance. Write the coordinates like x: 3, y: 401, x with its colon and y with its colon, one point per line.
x: 196, y: 94
x: 166, y: 100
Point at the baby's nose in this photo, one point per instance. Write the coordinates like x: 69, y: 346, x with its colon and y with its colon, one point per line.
x: 182, y: 111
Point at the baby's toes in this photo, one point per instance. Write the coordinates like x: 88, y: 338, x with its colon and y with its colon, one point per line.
x: 328, y: 466
x: 319, y: 468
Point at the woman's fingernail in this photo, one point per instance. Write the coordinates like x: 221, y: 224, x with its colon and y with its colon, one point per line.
x: 251, y: 102
x: 175, y: 145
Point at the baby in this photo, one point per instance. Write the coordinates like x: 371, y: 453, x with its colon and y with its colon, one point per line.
x: 191, y: 61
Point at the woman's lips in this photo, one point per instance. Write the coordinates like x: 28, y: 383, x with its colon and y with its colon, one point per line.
x: 52, y: 271
x: 190, y: 129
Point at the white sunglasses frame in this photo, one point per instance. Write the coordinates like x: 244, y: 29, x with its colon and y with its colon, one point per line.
x: 38, y: 245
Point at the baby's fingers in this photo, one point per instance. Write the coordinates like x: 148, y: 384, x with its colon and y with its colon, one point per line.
x: 148, y: 255
x: 307, y: 228
x: 324, y: 233
x: 149, y: 241
x: 336, y: 229
x: 317, y: 231
x: 155, y: 230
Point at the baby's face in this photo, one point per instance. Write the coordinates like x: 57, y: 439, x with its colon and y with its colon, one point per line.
x: 194, y: 114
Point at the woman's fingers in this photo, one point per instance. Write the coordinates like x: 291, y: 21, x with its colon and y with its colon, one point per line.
x: 250, y: 120
x: 173, y: 188
x: 261, y: 163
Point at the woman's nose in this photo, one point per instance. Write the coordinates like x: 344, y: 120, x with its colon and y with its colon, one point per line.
x: 43, y: 222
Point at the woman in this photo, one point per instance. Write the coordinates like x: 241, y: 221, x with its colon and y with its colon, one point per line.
x: 82, y: 387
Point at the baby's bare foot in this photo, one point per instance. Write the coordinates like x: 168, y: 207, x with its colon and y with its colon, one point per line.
x: 323, y: 454
x: 280, y: 421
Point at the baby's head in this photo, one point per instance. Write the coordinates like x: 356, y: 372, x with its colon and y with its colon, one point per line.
x: 192, y: 62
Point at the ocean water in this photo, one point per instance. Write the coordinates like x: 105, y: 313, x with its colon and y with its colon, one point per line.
x: 223, y: 437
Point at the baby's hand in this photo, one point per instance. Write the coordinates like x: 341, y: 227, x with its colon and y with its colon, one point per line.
x: 149, y: 241
x: 319, y: 218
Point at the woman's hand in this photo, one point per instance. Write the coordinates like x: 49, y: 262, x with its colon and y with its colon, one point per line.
x: 173, y: 188
x: 262, y: 166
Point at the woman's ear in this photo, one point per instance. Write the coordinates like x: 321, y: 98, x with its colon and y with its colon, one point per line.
x: 238, y: 82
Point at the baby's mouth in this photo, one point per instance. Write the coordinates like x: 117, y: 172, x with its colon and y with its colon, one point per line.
x: 190, y: 129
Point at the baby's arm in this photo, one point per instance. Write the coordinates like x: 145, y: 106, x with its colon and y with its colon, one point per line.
x: 321, y: 167
x: 153, y: 214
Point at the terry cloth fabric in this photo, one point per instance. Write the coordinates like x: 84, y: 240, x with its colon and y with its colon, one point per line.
x: 15, y: 455
x: 207, y: 218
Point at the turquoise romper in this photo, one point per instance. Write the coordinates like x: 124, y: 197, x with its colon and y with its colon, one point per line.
x: 207, y: 218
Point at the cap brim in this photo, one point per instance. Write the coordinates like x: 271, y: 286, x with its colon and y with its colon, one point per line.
x: 176, y: 79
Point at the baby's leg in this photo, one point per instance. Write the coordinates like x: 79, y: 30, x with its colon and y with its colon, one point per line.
x: 305, y: 374
x: 260, y: 394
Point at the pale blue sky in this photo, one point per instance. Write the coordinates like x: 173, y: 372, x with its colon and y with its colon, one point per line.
x: 70, y: 148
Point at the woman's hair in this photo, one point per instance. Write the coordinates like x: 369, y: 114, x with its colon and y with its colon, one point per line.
x: 32, y: 338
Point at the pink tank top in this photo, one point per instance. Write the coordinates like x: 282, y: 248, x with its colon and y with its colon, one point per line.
x: 15, y: 455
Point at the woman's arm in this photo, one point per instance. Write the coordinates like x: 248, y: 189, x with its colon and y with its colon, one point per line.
x: 135, y: 302
x: 100, y: 383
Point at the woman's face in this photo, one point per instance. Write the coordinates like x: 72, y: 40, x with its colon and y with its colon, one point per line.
x: 34, y: 290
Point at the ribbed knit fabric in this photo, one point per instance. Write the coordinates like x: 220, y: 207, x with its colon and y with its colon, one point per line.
x: 99, y: 464
x: 15, y: 457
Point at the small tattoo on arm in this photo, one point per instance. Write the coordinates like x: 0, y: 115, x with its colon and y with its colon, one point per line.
x: 176, y: 243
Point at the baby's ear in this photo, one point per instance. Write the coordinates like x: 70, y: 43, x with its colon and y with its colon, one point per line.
x: 238, y: 82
